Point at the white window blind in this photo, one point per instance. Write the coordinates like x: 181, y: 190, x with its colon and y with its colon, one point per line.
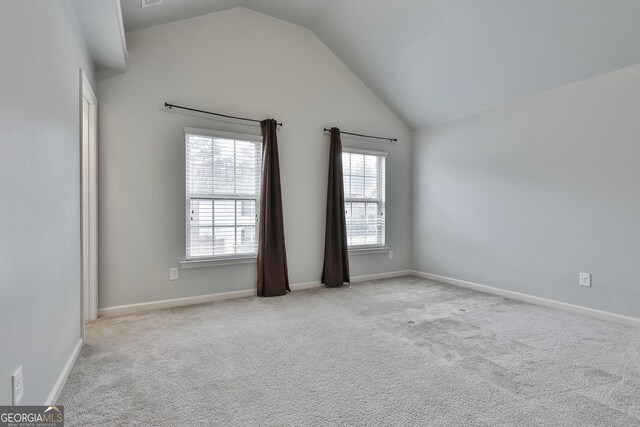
x: 223, y: 189
x: 364, y: 195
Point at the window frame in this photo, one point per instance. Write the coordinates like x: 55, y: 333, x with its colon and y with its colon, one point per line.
x: 236, y: 258
x: 380, y: 200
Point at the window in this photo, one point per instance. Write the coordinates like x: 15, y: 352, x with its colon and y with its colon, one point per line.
x: 364, y: 175
x: 223, y: 189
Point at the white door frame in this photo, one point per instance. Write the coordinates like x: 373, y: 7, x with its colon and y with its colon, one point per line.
x: 89, y: 201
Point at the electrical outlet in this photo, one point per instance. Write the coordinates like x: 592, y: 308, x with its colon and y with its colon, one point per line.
x: 390, y: 254
x: 17, y: 386
x: 174, y: 274
x: 585, y: 279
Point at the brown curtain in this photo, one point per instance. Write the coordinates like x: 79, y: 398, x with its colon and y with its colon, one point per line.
x: 336, y: 255
x: 273, y: 279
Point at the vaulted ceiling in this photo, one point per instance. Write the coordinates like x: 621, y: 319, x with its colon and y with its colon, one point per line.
x: 434, y: 61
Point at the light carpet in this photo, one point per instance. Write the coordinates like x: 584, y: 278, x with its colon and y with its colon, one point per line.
x: 404, y: 351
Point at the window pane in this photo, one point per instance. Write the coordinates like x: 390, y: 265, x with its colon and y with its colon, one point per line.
x: 357, y: 164
x: 224, y: 212
x: 346, y: 163
x: 246, y: 165
x: 223, y: 184
x: 200, y: 164
x: 246, y: 212
x: 357, y: 186
x: 382, y: 180
x: 201, y: 214
x: 246, y: 239
x: 358, y: 226
x: 347, y: 185
x: 223, y: 166
x: 364, y: 198
x: 201, y: 239
x: 224, y: 241
x: 371, y: 224
x: 370, y: 187
x: 347, y: 214
x: 371, y: 166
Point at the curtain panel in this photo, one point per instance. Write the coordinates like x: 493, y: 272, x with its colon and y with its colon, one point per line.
x: 273, y: 277
x: 335, y: 271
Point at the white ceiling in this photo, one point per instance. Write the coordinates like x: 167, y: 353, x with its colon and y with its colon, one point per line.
x: 433, y: 61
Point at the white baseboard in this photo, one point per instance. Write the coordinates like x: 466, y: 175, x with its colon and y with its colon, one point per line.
x: 64, y: 374
x: 365, y: 278
x: 592, y: 312
x: 201, y: 299
x: 304, y: 285
x: 120, y: 310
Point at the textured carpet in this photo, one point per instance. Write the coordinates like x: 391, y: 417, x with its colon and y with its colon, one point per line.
x: 403, y: 351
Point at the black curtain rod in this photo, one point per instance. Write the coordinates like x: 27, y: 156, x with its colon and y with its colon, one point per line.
x: 170, y: 106
x: 365, y: 136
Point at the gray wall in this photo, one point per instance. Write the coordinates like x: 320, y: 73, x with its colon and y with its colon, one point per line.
x: 526, y: 196
x: 40, y: 186
x: 242, y: 63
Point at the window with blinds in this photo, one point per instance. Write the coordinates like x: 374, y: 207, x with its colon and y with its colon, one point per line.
x: 223, y: 189
x: 364, y: 195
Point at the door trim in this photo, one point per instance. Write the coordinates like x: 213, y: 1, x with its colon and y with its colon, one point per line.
x: 89, y: 202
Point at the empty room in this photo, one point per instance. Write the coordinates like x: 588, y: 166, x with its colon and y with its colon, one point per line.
x: 319, y: 213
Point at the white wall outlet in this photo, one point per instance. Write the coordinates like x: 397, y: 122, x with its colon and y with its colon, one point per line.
x: 390, y: 254
x: 585, y: 279
x: 17, y: 386
x: 174, y: 273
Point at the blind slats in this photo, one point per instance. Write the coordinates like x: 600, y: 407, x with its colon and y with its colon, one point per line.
x: 364, y: 183
x: 223, y: 187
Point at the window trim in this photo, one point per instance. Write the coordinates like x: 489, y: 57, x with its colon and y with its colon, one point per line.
x: 223, y: 135
x: 365, y: 151
x: 366, y: 250
x: 229, y: 260
x: 212, y: 260
x: 374, y: 247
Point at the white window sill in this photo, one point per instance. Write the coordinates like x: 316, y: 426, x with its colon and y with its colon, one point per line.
x: 371, y: 250
x: 197, y: 263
